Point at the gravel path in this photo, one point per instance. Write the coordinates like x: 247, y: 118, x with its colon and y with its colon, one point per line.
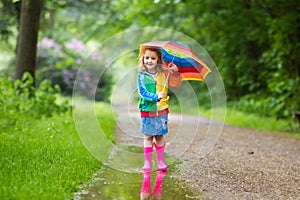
x: 244, y: 163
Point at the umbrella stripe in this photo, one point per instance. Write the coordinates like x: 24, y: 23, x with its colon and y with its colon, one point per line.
x: 187, y: 68
x: 192, y: 76
x: 181, y: 49
x: 161, y: 43
x: 186, y: 62
x: 183, y: 61
x: 169, y: 56
x: 176, y: 45
x: 192, y: 73
x: 205, y: 72
x: 172, y: 54
x: 180, y: 61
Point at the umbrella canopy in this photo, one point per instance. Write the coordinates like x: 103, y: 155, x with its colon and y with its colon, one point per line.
x: 190, y: 65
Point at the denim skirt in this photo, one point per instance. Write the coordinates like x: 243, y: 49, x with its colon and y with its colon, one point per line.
x: 155, y: 125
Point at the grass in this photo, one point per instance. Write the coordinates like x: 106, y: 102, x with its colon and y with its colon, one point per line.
x: 45, y: 158
x: 249, y: 120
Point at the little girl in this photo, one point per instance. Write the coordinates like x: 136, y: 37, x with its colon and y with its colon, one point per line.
x: 153, y: 104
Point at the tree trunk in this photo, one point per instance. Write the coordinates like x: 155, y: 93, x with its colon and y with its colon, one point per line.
x: 28, y: 35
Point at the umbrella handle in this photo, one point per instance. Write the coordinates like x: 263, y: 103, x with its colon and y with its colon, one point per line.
x: 166, y: 80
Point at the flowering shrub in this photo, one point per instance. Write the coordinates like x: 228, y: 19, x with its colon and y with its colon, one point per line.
x: 61, y: 63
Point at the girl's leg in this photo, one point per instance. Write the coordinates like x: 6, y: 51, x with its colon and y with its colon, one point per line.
x: 159, y: 140
x: 160, y: 151
x: 148, y: 139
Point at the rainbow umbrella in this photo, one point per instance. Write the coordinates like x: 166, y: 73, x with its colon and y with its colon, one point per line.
x: 190, y: 65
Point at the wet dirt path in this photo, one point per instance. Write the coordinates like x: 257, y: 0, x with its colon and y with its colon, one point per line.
x: 244, y: 163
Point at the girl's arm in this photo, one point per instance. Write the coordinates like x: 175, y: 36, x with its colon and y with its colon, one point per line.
x: 144, y: 93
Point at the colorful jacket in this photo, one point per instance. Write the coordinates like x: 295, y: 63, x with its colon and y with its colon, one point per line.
x: 148, y: 87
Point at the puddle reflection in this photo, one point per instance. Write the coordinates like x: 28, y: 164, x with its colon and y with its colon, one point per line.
x: 156, y: 193
x: 117, y: 185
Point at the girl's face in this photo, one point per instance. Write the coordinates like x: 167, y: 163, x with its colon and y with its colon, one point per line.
x: 150, y: 60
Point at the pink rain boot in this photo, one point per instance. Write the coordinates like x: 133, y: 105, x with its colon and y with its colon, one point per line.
x: 148, y: 159
x: 145, y: 190
x: 160, y: 151
x: 157, y: 189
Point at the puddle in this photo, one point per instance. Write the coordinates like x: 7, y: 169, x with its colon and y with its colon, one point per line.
x: 111, y: 184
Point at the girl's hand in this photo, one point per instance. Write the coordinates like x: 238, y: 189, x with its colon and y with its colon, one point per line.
x: 161, y: 95
x: 171, y: 68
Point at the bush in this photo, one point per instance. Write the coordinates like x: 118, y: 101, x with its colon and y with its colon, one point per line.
x: 20, y: 99
x: 271, y: 106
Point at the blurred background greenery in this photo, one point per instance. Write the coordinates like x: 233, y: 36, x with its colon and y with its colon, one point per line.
x: 255, y: 43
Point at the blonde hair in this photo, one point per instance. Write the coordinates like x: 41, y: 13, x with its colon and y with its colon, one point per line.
x: 160, y: 62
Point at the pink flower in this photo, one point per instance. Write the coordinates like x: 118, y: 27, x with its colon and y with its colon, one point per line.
x: 76, y: 45
x: 78, y: 61
x: 50, y: 43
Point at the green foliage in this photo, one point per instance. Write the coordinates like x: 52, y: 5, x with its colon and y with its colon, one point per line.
x: 21, y: 101
x: 255, y: 44
x: 8, y: 10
